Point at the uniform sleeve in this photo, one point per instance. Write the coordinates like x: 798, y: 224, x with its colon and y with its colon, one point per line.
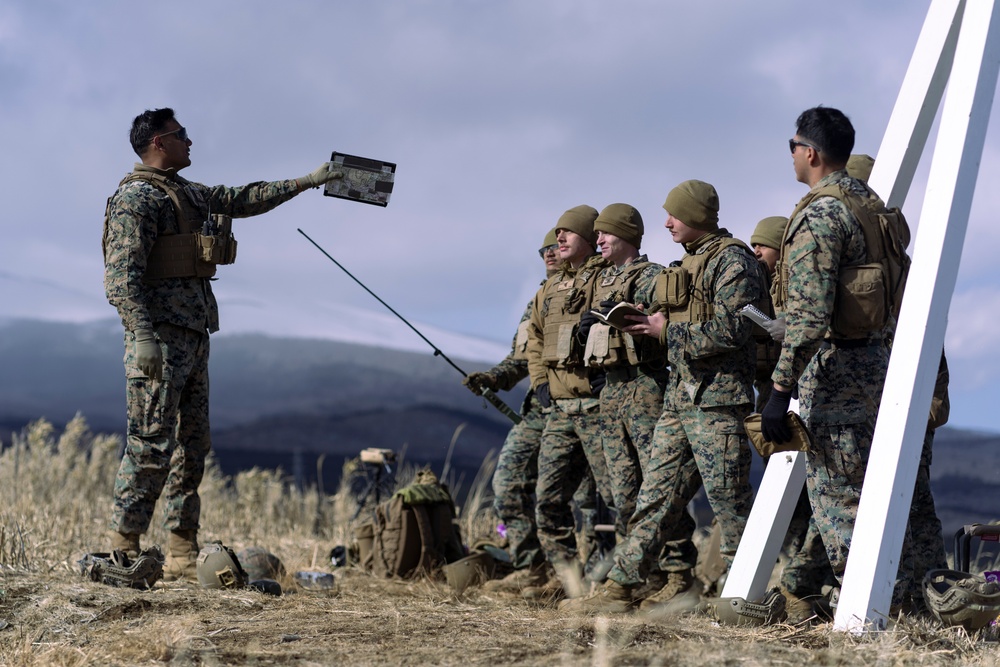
x: 129, y: 237
x: 736, y: 280
x: 644, y: 288
x: 815, y: 248
x: 510, y: 371
x: 536, y: 368
x: 253, y: 199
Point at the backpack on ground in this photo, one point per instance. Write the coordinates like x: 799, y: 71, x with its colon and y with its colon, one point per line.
x: 414, y: 532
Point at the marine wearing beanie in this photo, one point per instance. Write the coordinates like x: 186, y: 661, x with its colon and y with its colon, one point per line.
x: 580, y: 220
x: 696, y: 204
x: 550, y: 238
x: 769, y: 232
x: 859, y: 166
x: 621, y: 220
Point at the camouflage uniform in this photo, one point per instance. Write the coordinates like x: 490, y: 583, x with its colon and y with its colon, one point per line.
x: 807, y: 569
x: 571, y: 439
x: 699, y: 437
x: 517, y: 469
x: 632, y: 402
x: 839, y: 382
x: 168, y: 421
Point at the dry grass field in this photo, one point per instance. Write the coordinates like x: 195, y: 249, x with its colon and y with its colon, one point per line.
x: 55, y: 499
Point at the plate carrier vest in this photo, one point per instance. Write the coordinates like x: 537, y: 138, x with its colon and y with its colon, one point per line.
x: 197, y: 248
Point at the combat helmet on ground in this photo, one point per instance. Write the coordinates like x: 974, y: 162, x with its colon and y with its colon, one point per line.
x: 218, y: 567
x: 960, y: 598
x: 259, y: 563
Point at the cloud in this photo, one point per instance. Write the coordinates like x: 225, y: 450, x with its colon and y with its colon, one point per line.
x: 499, y: 115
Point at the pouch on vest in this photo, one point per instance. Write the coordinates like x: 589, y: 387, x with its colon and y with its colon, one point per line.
x: 673, y: 287
x: 598, y: 348
x: 219, y: 245
x: 521, y: 341
x: 557, y: 342
x: 861, y: 305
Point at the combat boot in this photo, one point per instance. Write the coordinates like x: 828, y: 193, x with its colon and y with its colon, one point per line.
x: 126, y: 542
x: 182, y: 556
x: 678, y: 584
x: 655, y: 582
x: 519, y: 580
x: 608, y: 598
x: 799, y: 609
x: 550, y: 591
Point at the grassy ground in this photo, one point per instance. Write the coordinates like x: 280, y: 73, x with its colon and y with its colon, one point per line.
x: 55, y: 499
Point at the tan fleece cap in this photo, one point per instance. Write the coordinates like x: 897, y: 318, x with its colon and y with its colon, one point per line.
x: 696, y: 204
x: 621, y: 220
x: 580, y: 220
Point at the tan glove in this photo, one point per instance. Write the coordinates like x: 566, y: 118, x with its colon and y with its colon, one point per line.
x: 148, y: 356
x: 319, y: 177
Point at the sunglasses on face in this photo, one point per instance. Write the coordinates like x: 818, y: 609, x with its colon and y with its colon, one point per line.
x: 181, y: 133
x: 792, y: 143
x: 547, y: 249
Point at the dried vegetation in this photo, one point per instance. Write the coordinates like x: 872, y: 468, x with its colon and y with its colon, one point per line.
x: 55, y: 499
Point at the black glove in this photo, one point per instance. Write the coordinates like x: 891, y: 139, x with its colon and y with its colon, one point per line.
x: 478, y: 381
x: 542, y: 394
x: 772, y: 417
x: 587, y: 320
x: 597, y: 382
x: 607, y: 305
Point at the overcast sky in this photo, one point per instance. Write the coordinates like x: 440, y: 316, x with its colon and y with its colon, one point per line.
x: 500, y: 115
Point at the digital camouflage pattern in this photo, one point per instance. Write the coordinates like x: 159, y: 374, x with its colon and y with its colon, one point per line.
x: 512, y: 369
x: 168, y: 421
x: 571, y: 438
x: 168, y: 434
x: 632, y: 402
x: 807, y: 568
x: 699, y: 437
x: 137, y: 214
x: 514, y: 491
x: 570, y: 444
x: 839, y: 387
x: 517, y: 471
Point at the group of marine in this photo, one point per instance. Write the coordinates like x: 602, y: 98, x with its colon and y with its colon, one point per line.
x: 650, y: 412
x: 637, y: 419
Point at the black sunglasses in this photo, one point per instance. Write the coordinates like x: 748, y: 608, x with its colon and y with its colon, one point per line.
x: 181, y: 133
x: 792, y: 143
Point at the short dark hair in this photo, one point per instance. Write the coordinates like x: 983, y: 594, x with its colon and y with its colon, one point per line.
x: 147, y: 125
x: 830, y: 130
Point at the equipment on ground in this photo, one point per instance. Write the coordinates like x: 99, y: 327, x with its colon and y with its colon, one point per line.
x: 117, y: 569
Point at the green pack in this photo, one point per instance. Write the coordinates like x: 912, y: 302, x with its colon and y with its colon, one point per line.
x: 414, y: 532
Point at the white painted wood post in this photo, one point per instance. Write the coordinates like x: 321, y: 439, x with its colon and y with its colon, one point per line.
x: 761, y: 542
x: 902, y: 420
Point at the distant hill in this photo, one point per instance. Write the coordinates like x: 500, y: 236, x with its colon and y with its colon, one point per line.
x: 287, y: 402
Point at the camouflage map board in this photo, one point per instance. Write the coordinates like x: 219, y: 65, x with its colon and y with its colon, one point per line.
x: 365, y: 180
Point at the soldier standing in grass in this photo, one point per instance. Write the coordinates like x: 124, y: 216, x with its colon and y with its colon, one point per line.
x: 517, y: 467
x: 807, y: 568
x: 699, y: 435
x: 632, y: 400
x: 157, y: 227
x: 569, y: 391
x: 833, y: 350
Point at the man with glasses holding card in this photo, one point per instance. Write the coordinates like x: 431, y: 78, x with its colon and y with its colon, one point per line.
x: 163, y: 238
